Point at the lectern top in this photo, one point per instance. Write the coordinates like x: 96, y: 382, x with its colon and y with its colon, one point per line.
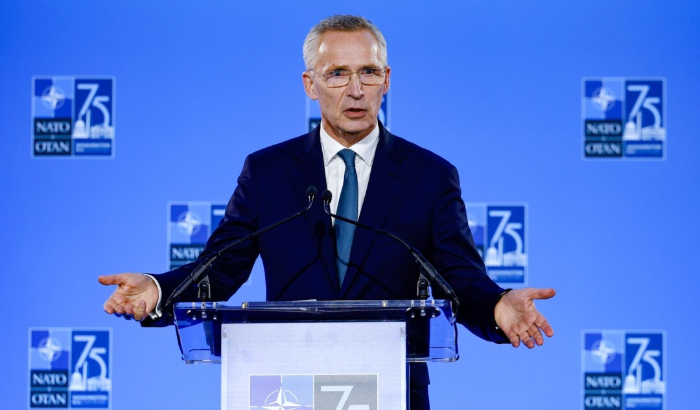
x: 430, y: 328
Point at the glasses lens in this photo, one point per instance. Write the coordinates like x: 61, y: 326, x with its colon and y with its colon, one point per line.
x: 367, y: 76
x: 338, y: 81
x: 372, y: 77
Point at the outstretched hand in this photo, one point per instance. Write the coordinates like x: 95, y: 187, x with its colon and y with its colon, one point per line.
x: 135, y: 296
x: 517, y: 316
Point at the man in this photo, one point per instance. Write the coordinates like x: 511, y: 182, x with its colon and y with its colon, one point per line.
x: 392, y: 184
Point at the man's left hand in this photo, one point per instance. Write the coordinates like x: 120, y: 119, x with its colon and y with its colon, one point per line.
x: 517, y: 316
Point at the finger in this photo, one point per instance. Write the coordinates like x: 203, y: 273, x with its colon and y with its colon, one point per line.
x: 514, y: 339
x: 536, y: 335
x: 526, y: 336
x: 110, y: 305
x: 128, y: 311
x: 115, y: 300
x: 521, y: 333
x: 527, y: 341
x: 543, y: 324
x: 120, y: 309
x: 140, y: 313
x: 530, y: 344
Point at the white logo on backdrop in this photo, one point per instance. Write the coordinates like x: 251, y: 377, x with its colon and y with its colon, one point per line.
x: 49, y: 349
x: 189, y: 223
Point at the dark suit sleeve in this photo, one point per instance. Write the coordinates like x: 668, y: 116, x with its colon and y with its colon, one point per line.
x: 233, y: 267
x: 455, y: 256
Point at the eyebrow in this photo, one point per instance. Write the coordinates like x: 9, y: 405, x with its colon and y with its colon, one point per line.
x: 337, y: 67
x: 346, y: 67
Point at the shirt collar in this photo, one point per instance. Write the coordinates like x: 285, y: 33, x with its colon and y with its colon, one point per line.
x: 365, y: 148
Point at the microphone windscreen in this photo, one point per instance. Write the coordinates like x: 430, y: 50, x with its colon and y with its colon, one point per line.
x: 326, y: 196
x: 311, y: 191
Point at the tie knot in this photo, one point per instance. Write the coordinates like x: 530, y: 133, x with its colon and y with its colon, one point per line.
x: 348, y: 157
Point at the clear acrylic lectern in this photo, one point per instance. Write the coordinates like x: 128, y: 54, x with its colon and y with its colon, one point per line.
x: 316, y: 353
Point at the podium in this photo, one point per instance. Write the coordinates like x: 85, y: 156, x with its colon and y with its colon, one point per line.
x: 349, y: 355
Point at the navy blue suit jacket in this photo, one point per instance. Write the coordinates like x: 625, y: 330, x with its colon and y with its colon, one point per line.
x: 412, y: 193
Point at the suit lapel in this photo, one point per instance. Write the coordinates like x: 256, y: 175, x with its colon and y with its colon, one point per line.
x: 311, y: 171
x: 385, y: 181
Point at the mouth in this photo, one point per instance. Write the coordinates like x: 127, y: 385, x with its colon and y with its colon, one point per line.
x: 355, y: 112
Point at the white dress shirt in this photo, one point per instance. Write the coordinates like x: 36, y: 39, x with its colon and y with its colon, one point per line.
x: 335, y: 167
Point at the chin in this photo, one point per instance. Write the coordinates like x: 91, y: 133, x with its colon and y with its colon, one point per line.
x: 356, y: 127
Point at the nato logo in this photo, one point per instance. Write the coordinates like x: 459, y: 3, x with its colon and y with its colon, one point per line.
x: 313, y: 113
x: 70, y: 368
x: 189, y: 227
x: 623, y: 370
x: 499, y: 236
x: 281, y: 392
x: 73, y: 117
x: 624, y: 118
x: 306, y: 392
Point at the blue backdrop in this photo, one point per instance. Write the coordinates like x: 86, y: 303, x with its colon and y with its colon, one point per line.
x: 494, y: 87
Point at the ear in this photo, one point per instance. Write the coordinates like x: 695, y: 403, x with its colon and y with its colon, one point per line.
x: 308, y: 80
x: 387, y: 79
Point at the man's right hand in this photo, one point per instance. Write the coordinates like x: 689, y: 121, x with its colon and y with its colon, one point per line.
x: 136, y: 295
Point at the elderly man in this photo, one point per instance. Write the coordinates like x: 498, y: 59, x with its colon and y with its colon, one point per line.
x: 375, y: 177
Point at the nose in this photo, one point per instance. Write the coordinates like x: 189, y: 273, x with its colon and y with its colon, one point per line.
x: 355, y: 86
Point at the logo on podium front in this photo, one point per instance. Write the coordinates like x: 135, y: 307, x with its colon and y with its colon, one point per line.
x: 499, y: 233
x: 70, y: 368
x: 281, y: 392
x: 302, y: 392
x: 189, y: 227
x: 624, y: 118
x: 623, y: 370
x: 73, y: 117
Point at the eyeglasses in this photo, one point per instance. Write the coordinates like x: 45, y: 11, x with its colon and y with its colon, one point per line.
x: 341, y: 78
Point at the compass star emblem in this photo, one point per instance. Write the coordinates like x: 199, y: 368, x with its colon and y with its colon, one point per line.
x: 53, y: 97
x: 189, y: 223
x: 281, y: 401
x: 603, y: 99
x: 49, y: 349
x: 603, y: 351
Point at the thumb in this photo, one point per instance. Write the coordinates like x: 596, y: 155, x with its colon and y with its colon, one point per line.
x: 542, y: 293
x: 111, y: 279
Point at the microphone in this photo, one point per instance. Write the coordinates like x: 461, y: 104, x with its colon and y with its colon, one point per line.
x: 426, y: 267
x: 198, y: 273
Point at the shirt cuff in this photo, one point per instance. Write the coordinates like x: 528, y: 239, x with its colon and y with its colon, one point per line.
x: 156, y: 313
x: 496, y: 327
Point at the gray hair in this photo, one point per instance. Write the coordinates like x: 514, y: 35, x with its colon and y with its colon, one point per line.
x: 340, y: 22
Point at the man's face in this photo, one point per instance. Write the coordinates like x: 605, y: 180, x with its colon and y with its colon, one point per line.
x: 349, y: 112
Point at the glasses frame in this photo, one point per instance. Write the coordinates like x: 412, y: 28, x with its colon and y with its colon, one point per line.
x: 326, y: 76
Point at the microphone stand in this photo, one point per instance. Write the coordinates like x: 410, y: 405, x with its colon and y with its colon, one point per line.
x: 428, y: 274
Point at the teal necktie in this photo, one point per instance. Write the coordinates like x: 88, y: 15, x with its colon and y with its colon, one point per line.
x: 347, y: 207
